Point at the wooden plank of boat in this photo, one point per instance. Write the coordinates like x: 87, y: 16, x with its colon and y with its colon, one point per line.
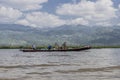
x: 38, y: 50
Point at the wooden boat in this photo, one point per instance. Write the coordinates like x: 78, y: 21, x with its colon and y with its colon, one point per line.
x: 39, y: 50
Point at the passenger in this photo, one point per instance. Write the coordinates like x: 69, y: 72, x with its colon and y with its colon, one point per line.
x: 49, y: 47
x: 64, y: 46
x: 33, y: 47
x: 56, y: 46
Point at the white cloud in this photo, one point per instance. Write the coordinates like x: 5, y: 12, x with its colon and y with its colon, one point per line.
x: 23, y: 4
x: 23, y: 22
x: 103, y: 24
x: 41, y: 20
x: 85, y: 12
x: 99, y: 11
x: 9, y: 14
x: 81, y: 8
x: 77, y: 21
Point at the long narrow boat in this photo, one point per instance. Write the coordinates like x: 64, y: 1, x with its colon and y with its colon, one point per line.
x: 38, y: 50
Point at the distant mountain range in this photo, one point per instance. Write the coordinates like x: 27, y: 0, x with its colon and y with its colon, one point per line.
x: 13, y: 34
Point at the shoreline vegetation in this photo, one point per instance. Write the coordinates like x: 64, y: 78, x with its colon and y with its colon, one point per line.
x: 44, y: 47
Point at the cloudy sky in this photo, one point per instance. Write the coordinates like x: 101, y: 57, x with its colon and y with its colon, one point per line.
x: 54, y: 13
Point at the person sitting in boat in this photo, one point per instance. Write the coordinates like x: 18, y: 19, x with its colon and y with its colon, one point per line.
x: 33, y: 47
x: 49, y: 47
x: 64, y: 46
x: 56, y: 46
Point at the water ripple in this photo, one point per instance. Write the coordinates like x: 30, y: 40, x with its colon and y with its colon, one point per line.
x: 24, y: 66
x: 105, y: 69
x: 43, y: 73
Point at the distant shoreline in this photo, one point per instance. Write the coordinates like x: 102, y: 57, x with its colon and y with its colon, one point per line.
x: 44, y: 47
x: 98, y: 47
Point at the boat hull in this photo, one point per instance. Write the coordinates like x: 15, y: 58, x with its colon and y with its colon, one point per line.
x: 38, y: 50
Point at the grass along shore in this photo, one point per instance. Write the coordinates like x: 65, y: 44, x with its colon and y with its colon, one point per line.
x: 44, y: 47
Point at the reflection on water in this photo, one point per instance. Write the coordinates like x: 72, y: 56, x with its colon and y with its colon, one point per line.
x: 94, y: 64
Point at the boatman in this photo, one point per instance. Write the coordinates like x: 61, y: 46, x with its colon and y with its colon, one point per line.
x: 64, y: 46
x: 33, y: 47
x: 49, y: 47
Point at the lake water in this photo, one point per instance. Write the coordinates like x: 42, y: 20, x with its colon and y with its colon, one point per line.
x: 93, y: 64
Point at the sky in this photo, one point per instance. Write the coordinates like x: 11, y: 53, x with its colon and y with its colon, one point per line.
x: 55, y: 13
